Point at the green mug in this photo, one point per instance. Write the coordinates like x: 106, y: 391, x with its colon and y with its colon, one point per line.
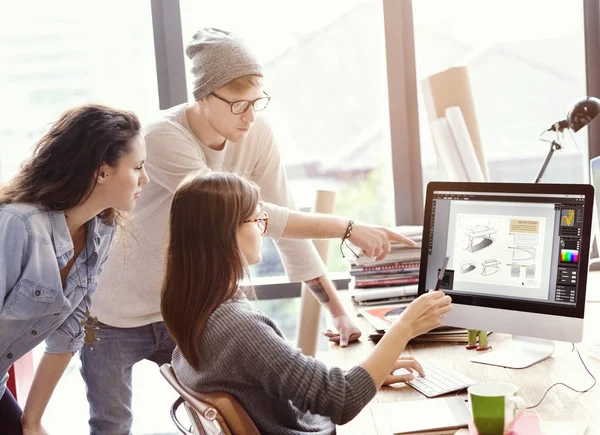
x: 493, y: 406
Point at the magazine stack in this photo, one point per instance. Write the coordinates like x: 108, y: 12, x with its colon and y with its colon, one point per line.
x: 393, y: 279
x: 381, y: 318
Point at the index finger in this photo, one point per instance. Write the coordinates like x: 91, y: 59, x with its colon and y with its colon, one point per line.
x: 393, y: 236
x: 435, y: 294
x: 446, y: 300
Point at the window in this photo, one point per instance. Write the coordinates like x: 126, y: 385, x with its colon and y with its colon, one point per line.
x: 325, y: 70
x: 526, y: 62
x: 66, y: 53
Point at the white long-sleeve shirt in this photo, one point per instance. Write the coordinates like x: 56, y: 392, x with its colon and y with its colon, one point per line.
x: 129, y: 289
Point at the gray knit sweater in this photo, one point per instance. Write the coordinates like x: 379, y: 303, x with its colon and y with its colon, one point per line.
x: 242, y: 352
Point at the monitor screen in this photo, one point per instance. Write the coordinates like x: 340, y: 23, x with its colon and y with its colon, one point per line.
x: 520, y: 247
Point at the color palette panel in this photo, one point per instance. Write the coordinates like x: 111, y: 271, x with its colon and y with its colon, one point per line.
x: 569, y: 256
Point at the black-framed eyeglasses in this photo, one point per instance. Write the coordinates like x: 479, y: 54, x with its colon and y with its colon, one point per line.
x: 240, y: 106
x: 262, y: 221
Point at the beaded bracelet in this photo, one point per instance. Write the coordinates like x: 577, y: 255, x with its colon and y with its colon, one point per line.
x: 349, y: 230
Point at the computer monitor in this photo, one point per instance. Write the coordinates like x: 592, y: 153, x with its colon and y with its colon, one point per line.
x: 518, y: 259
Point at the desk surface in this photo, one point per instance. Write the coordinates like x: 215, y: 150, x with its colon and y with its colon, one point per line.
x: 560, y: 404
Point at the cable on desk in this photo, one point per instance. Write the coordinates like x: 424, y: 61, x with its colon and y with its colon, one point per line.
x: 562, y: 383
x: 551, y: 386
x: 461, y: 391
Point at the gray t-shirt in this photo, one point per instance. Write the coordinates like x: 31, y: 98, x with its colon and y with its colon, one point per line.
x: 242, y: 352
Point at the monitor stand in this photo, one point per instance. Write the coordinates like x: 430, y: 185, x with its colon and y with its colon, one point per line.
x: 521, y: 352
x: 594, y: 264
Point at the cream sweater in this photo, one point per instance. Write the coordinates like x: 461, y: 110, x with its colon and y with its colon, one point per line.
x: 129, y: 288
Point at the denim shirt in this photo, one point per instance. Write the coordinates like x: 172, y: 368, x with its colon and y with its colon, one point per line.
x: 35, y: 244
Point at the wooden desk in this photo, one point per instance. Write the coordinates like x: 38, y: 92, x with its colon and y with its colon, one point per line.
x: 560, y: 404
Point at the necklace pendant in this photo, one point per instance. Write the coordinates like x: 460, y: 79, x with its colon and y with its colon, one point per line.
x: 90, y: 328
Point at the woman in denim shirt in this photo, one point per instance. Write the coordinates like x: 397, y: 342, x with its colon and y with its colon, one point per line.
x: 57, y: 220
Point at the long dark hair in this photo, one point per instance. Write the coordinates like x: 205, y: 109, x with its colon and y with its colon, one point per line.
x: 63, y: 170
x: 204, y: 263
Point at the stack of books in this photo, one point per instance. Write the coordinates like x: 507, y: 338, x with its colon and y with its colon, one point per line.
x: 394, y: 278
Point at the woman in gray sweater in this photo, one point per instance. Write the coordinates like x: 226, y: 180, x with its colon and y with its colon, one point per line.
x: 224, y: 344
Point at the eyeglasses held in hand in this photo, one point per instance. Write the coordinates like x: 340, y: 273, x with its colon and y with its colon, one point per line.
x: 262, y: 221
x: 240, y: 106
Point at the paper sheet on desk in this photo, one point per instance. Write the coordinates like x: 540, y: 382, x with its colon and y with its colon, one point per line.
x: 407, y: 417
x: 563, y: 428
x: 546, y: 427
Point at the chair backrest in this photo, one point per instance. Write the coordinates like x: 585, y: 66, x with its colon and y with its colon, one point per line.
x: 218, y: 407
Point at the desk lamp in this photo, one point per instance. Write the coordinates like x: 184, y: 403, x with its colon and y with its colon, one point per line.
x: 580, y: 115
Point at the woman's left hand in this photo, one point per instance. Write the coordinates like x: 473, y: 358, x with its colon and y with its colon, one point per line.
x: 347, y: 331
x: 375, y: 240
x: 409, y: 364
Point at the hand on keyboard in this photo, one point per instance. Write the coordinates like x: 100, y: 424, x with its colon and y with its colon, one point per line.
x: 405, y: 370
x: 437, y: 380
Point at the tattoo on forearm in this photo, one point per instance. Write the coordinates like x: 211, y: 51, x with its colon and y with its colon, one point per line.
x: 318, y: 290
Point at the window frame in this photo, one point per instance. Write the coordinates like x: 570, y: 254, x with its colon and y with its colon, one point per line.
x: 169, y: 53
x: 591, y: 19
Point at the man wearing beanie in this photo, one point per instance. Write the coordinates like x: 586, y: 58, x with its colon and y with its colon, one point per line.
x: 219, y: 131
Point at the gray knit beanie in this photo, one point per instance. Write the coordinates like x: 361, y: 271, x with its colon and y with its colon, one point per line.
x: 218, y: 57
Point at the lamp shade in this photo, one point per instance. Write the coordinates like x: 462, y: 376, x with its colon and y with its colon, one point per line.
x: 582, y: 113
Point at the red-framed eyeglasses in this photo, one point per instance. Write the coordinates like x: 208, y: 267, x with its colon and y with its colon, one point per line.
x: 262, y: 221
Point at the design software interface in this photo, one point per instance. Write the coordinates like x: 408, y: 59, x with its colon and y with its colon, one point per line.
x: 507, y: 245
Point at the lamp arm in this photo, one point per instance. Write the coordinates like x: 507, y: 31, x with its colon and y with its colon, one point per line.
x: 554, y: 145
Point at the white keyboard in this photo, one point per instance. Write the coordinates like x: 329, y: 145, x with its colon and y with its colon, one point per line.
x: 438, y: 380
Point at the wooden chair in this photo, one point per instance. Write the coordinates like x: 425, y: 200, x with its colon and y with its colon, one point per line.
x: 209, y: 413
